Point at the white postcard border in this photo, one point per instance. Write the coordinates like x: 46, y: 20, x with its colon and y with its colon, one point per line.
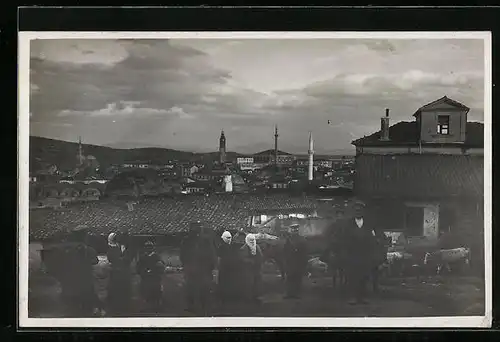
x: 24, y: 39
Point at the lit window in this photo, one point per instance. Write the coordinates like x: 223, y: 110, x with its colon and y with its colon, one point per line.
x: 443, y: 124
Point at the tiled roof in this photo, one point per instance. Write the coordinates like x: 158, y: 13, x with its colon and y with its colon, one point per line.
x: 406, y: 133
x: 271, y: 151
x: 419, y: 175
x: 200, y: 185
x: 162, y: 215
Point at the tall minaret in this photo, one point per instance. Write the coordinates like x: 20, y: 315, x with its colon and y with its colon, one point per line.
x: 311, y: 162
x: 222, y: 148
x: 276, y: 145
x: 80, y: 151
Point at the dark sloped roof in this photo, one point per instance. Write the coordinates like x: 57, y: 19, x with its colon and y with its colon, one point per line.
x: 271, y: 151
x: 444, y: 99
x: 406, y: 133
x: 424, y: 176
x: 200, y: 185
x: 161, y: 215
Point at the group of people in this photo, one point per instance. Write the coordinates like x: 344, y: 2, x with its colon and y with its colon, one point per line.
x: 72, y: 263
x: 355, y: 250
x: 239, y: 268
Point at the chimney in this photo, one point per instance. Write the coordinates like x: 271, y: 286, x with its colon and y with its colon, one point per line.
x: 384, y: 126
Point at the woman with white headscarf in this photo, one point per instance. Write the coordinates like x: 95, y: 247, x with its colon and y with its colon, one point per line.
x: 251, y: 255
x: 120, y: 278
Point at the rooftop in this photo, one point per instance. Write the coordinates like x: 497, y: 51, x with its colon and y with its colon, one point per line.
x: 444, y: 100
x: 406, y: 133
x: 271, y: 151
x: 163, y: 215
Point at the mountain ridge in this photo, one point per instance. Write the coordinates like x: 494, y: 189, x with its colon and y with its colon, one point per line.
x: 47, y: 151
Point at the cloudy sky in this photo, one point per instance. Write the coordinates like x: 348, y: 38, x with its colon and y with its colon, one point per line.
x: 181, y: 93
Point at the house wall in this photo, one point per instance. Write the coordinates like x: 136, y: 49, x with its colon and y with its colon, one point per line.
x: 429, y: 121
x: 384, y: 150
x: 446, y: 224
x: 244, y: 160
x: 431, y: 221
x: 419, y: 175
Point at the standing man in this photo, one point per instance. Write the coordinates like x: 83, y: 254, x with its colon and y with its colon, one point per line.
x: 150, y: 268
x: 359, y: 254
x: 199, y: 258
x: 295, y: 262
x: 77, y: 277
x: 381, y: 246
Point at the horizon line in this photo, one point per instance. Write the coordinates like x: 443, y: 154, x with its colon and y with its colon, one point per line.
x: 190, y: 151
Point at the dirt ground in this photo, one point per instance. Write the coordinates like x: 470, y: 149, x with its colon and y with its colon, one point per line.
x: 398, y: 297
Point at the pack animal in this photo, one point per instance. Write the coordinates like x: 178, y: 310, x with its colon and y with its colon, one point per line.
x: 316, y: 268
x: 448, y: 259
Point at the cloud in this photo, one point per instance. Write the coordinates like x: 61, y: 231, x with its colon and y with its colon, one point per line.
x: 181, y: 93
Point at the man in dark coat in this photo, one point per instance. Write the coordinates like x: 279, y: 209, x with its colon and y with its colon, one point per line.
x: 150, y: 268
x: 199, y: 258
x: 75, y: 273
x: 120, y: 278
x: 381, y: 246
x: 359, y: 252
x: 228, y: 270
x: 295, y: 250
x: 334, y: 257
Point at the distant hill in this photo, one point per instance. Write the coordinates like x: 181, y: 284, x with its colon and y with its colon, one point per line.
x: 45, y: 151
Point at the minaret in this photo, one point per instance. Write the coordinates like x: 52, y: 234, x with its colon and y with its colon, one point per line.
x: 276, y: 145
x: 222, y: 148
x: 80, y: 151
x: 311, y: 153
x: 384, y: 126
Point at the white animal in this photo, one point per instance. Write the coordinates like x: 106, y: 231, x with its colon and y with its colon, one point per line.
x: 393, y: 256
x: 398, y: 263
x: 316, y: 267
x: 447, y: 257
x: 265, y: 236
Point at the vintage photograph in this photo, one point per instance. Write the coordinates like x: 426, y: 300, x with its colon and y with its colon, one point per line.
x: 286, y: 176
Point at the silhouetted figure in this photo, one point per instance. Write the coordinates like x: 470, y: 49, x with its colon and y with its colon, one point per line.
x: 359, y: 252
x: 295, y: 262
x: 72, y: 265
x: 227, y: 289
x: 198, y: 258
x: 120, y: 277
x: 251, y: 257
x: 381, y: 246
x: 151, y: 268
x: 335, y: 257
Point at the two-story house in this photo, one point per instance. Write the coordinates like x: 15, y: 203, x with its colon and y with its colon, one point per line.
x: 425, y: 177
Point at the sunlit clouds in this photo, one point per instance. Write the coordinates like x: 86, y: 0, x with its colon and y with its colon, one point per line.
x: 181, y: 93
